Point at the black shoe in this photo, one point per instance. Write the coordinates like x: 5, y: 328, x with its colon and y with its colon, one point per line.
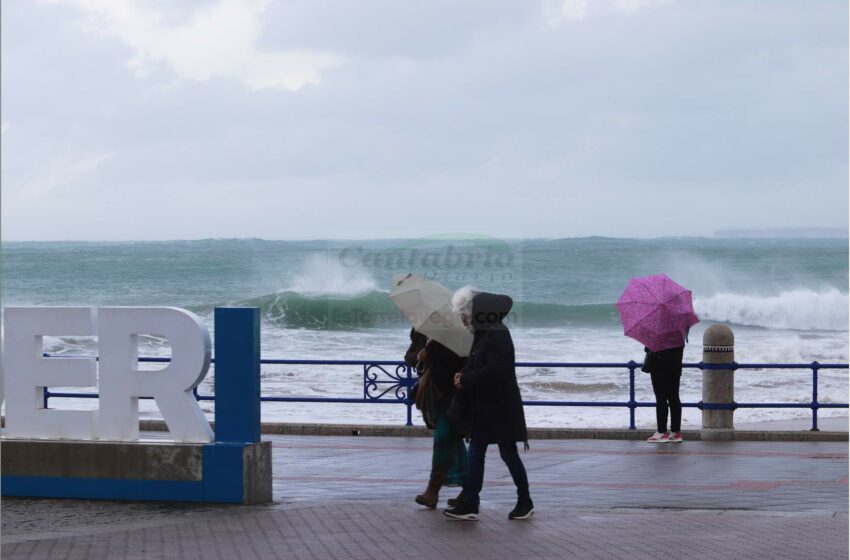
x: 454, y: 502
x: 462, y: 512
x: 523, y: 510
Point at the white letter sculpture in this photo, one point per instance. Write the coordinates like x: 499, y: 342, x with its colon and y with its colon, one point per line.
x: 28, y: 372
x: 122, y: 383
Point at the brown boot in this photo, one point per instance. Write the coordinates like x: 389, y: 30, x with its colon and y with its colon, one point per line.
x: 431, y: 495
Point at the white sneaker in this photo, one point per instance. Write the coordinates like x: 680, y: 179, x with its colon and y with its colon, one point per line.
x: 675, y: 437
x: 658, y: 437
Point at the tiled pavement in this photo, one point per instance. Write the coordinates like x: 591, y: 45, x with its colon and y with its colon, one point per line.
x: 352, y: 498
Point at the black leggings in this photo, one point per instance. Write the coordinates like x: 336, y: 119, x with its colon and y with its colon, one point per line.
x: 666, y: 388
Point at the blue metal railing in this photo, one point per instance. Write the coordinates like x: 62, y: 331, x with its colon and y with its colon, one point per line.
x: 398, y: 382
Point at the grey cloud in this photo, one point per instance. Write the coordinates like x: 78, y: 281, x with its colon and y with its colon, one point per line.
x: 567, y: 129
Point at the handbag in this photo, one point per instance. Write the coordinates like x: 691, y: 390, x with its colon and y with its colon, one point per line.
x: 414, y: 389
x: 650, y: 363
x: 459, y: 413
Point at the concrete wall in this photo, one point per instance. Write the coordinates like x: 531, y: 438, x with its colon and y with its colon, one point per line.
x: 232, y: 473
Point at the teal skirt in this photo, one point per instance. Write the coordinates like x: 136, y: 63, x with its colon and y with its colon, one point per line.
x: 450, y: 454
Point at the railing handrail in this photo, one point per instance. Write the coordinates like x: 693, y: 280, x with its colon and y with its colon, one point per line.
x: 611, y: 365
x: 403, y: 380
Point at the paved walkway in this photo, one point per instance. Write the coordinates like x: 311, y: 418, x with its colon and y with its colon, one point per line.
x: 352, y: 497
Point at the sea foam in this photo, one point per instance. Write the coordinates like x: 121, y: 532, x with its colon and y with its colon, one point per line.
x: 801, y: 309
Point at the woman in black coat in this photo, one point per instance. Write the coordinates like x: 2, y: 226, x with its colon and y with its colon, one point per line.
x: 488, y: 381
x: 665, y: 369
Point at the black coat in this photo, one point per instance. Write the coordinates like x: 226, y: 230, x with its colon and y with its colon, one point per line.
x: 665, y: 362
x: 417, y: 343
x: 489, y: 378
x: 440, y: 361
x: 435, y: 388
x: 443, y: 364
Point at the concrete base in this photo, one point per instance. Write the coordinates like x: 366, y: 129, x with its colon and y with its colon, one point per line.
x: 257, y: 473
x: 717, y: 434
x: 218, y: 472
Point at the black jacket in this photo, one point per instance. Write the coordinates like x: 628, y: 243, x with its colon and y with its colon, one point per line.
x: 489, y: 378
x: 667, y: 362
x: 417, y: 343
x: 443, y: 364
x: 434, y: 390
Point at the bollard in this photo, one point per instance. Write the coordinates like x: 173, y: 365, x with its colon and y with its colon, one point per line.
x: 718, y: 385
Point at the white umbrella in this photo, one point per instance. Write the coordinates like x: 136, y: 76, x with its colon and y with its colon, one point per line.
x: 428, y: 307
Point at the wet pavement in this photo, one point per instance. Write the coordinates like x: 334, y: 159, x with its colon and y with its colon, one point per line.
x: 352, y: 497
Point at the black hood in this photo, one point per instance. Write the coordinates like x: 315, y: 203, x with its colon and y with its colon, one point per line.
x: 488, y: 310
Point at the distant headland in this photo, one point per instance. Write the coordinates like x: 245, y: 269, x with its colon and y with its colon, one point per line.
x: 813, y: 232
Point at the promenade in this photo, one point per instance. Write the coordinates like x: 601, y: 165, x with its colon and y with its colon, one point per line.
x: 352, y: 498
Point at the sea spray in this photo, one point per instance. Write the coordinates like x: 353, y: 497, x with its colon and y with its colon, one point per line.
x: 323, y: 274
x: 325, y: 308
x: 800, y: 309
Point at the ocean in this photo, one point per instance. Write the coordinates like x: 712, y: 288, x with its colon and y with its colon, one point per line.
x: 785, y: 299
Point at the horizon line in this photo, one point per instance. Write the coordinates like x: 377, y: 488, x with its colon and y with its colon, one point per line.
x: 846, y: 235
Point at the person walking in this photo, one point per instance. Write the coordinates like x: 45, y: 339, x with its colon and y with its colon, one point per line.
x: 665, y: 370
x: 417, y: 343
x: 436, y: 365
x: 490, y: 385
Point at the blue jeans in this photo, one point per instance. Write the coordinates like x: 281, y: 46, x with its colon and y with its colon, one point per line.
x: 475, y: 476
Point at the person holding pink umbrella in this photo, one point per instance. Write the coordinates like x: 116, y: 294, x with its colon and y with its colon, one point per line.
x: 665, y: 370
x: 658, y: 312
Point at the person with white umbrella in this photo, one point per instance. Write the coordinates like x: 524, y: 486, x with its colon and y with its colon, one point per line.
x: 434, y: 394
x: 438, y: 340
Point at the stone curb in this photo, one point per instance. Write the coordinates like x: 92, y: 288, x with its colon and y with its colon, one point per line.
x: 282, y: 428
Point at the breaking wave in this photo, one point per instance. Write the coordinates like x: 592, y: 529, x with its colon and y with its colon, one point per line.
x: 803, y: 310
x: 795, y: 309
x: 374, y: 309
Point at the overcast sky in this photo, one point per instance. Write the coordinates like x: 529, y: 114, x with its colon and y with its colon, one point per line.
x: 133, y: 119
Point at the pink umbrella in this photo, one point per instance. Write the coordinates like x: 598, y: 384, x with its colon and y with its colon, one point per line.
x: 656, y: 312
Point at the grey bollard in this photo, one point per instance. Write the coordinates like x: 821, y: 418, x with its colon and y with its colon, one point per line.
x: 718, y: 385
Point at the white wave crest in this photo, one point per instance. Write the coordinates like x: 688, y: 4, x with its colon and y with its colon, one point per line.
x: 324, y: 275
x: 800, y: 309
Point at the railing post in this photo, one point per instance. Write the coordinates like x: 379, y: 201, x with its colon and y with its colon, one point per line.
x: 718, y: 385
x: 407, y: 396
x: 632, y: 403
x: 815, y: 367
x: 45, y: 394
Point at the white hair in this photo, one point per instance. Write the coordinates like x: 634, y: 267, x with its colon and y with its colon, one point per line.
x: 462, y: 301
